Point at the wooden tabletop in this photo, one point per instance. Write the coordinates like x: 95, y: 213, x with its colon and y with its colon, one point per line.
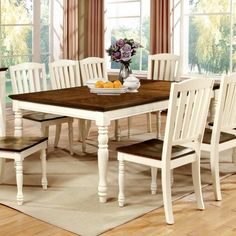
x: 81, y: 98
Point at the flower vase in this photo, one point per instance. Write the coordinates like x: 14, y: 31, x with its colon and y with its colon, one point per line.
x: 125, y: 71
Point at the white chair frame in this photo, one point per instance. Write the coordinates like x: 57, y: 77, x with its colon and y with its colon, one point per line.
x: 93, y: 68
x: 31, y: 145
x: 163, y: 66
x: 65, y: 73
x: 31, y: 77
x: 186, y: 119
x: 223, y: 125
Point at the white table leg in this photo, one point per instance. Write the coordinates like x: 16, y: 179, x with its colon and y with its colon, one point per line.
x: 102, y: 162
x: 18, y: 123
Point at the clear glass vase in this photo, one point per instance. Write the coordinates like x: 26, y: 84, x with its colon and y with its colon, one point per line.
x: 125, y: 71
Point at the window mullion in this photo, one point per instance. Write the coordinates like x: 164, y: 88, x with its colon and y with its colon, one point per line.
x: 36, y: 31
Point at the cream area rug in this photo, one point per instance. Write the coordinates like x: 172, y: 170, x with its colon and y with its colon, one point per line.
x: 71, y: 200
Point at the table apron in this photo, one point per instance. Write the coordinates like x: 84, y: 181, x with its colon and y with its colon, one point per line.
x: 101, y: 118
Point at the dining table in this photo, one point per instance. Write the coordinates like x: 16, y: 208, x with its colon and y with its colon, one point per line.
x: 79, y: 102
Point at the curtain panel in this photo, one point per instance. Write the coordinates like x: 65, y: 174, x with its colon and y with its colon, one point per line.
x: 83, y: 31
x: 160, y: 41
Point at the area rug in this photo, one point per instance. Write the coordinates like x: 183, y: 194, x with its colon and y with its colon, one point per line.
x: 71, y: 200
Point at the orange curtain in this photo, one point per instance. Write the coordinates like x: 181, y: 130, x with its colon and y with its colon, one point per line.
x: 95, y: 28
x: 160, y: 27
x: 83, y: 29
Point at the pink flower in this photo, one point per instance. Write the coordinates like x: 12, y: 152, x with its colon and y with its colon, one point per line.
x: 120, y: 43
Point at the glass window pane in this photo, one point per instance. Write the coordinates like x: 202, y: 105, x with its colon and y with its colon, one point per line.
x: 121, y: 9
x: 8, y: 61
x: 16, y: 40
x: 209, y: 6
x: 209, y: 44
x: 44, y: 39
x: 16, y: 12
x: 45, y: 11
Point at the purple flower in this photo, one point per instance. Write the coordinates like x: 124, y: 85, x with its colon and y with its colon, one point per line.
x: 126, y: 56
x: 116, y: 55
x: 120, y: 43
x: 123, y: 50
x: 126, y: 48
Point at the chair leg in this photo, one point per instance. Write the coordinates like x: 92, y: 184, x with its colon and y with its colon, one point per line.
x: 19, y: 182
x: 197, y: 184
x: 57, y: 135
x: 44, y: 181
x: 215, y: 172
x: 129, y: 126
x: 234, y: 156
x: 83, y: 134
x: 154, y: 180
x: 2, y: 169
x: 166, y: 191
x: 158, y: 123
x: 80, y: 129
x: 70, y: 134
x: 121, y: 196
x: 45, y: 131
x: 149, y: 122
x: 88, y: 126
x: 117, y: 130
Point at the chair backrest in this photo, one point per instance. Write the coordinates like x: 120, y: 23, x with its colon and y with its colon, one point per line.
x: 93, y: 68
x: 187, y: 113
x: 28, y: 77
x: 225, y: 114
x: 2, y: 103
x: 64, y: 74
x: 164, y: 66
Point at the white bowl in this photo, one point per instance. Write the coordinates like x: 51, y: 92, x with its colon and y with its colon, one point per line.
x: 91, y: 82
x: 132, y: 83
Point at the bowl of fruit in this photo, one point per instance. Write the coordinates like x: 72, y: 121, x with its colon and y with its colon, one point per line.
x: 108, y: 87
x: 91, y: 82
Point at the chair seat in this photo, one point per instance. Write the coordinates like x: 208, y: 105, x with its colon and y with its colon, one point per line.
x: 41, y: 117
x: 153, y: 149
x: 224, y: 137
x: 19, y: 144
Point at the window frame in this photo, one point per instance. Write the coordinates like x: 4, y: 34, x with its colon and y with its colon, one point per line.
x: 183, y: 36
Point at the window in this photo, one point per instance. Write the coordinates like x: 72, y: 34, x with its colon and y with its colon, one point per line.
x: 207, y: 33
x: 24, y: 33
x: 128, y: 19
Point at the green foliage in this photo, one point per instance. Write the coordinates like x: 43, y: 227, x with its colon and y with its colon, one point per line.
x: 209, y: 37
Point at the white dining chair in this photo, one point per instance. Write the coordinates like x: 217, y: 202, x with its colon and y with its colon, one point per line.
x: 187, y: 113
x: 94, y: 68
x: 163, y: 66
x: 31, y: 77
x: 65, y: 73
x: 221, y: 136
x: 18, y: 148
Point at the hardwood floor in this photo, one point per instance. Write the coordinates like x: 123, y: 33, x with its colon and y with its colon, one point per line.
x: 217, y: 219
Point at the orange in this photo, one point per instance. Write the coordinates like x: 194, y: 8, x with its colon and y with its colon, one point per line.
x: 99, y: 84
x: 117, y: 84
x: 108, y: 85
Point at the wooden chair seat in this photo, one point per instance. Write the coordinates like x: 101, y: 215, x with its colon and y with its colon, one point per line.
x: 41, y: 117
x: 19, y: 144
x: 224, y: 137
x: 153, y: 149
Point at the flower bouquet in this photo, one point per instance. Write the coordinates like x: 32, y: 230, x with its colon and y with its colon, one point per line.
x: 122, y: 51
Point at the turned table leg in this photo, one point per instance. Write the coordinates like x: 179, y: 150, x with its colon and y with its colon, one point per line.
x: 102, y: 162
